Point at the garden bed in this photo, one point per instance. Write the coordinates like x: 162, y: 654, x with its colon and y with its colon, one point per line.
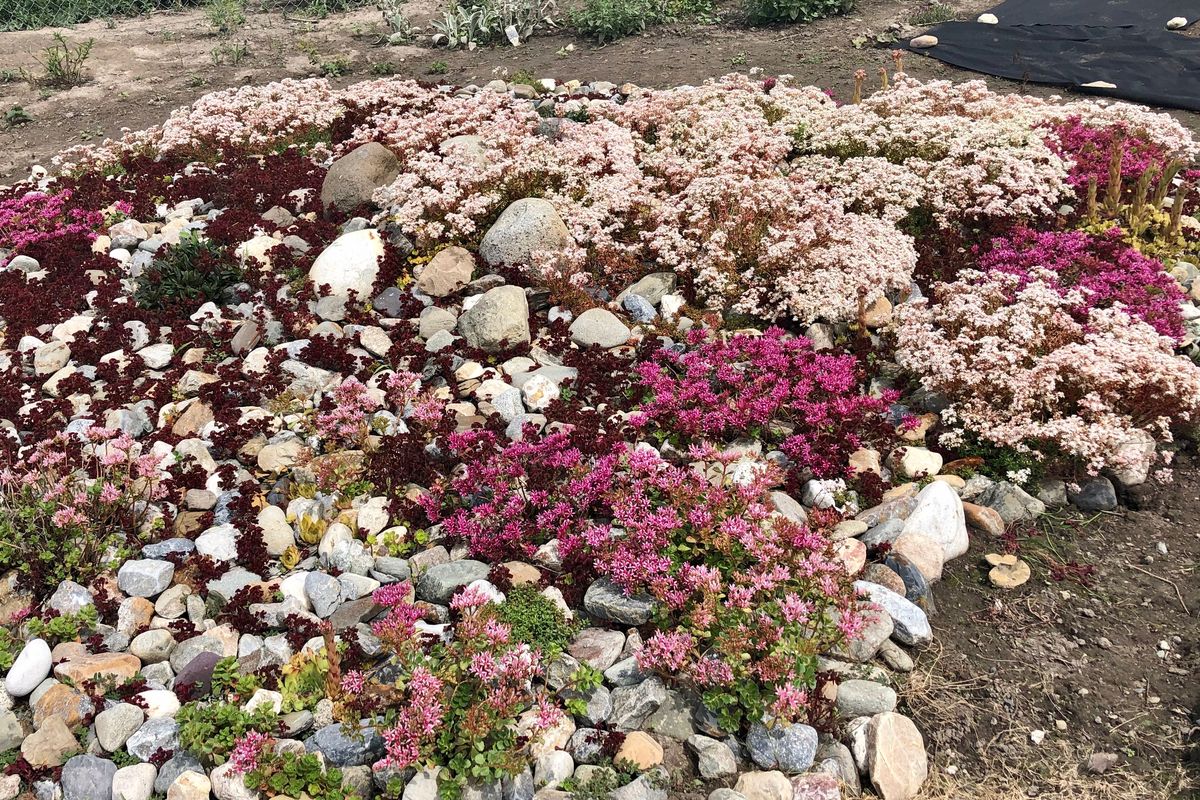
x: 579, y: 439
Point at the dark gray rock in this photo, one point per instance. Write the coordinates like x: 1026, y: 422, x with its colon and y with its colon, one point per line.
x: 344, y: 747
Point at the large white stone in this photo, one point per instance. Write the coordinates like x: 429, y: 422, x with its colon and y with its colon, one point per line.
x: 135, y: 782
x: 939, y: 516
x: 31, y: 668
x: 349, y: 264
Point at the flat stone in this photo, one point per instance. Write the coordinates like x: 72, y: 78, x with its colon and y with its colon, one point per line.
x: 605, y: 600
x: 119, y: 667
x: 857, y: 698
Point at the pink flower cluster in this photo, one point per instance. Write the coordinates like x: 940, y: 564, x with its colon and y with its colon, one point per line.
x: 347, y: 418
x: 246, y: 752
x: 762, y: 594
x: 1029, y: 365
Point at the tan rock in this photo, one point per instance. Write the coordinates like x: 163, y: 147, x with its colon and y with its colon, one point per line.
x: 641, y: 749
x: 134, y: 614
x: 878, y: 314
x: 924, y: 552
x: 64, y: 651
x: 852, y: 553
x: 447, y: 272
x: 190, y: 786
x: 523, y: 574
x: 1008, y: 571
x: 984, y: 519
x: 192, y: 420
x: 117, y: 666
x: 953, y: 481
x: 864, y: 460
x: 50, y: 745
x: 884, y: 576
x: 896, y: 761
x: 772, y: 785
x: 918, y: 432
x: 923, y: 41
x: 61, y: 702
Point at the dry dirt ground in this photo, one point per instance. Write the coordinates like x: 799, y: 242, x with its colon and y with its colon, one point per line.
x: 1099, y: 652
x: 142, y: 68
x: 1078, y: 653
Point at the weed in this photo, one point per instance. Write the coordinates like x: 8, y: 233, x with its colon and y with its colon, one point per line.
x: 16, y: 116
x: 383, y: 68
x: 335, y: 68
x: 9, y: 75
x: 63, y: 64
x: 932, y: 14
x: 771, y: 12
x: 439, y: 68
x: 196, y: 81
x: 226, y: 16
x: 739, y: 59
x: 231, y: 53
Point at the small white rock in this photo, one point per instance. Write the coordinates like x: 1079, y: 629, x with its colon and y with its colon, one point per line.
x: 1175, y: 23
x: 987, y: 19
x: 924, y: 41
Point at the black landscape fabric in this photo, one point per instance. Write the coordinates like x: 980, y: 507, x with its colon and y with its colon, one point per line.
x: 1074, y: 43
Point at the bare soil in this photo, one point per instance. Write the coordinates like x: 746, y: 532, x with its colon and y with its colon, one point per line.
x: 142, y: 68
x: 1099, y: 650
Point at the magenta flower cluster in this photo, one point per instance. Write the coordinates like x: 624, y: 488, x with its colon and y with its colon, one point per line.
x: 772, y: 386
x: 37, y: 217
x: 1106, y: 270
